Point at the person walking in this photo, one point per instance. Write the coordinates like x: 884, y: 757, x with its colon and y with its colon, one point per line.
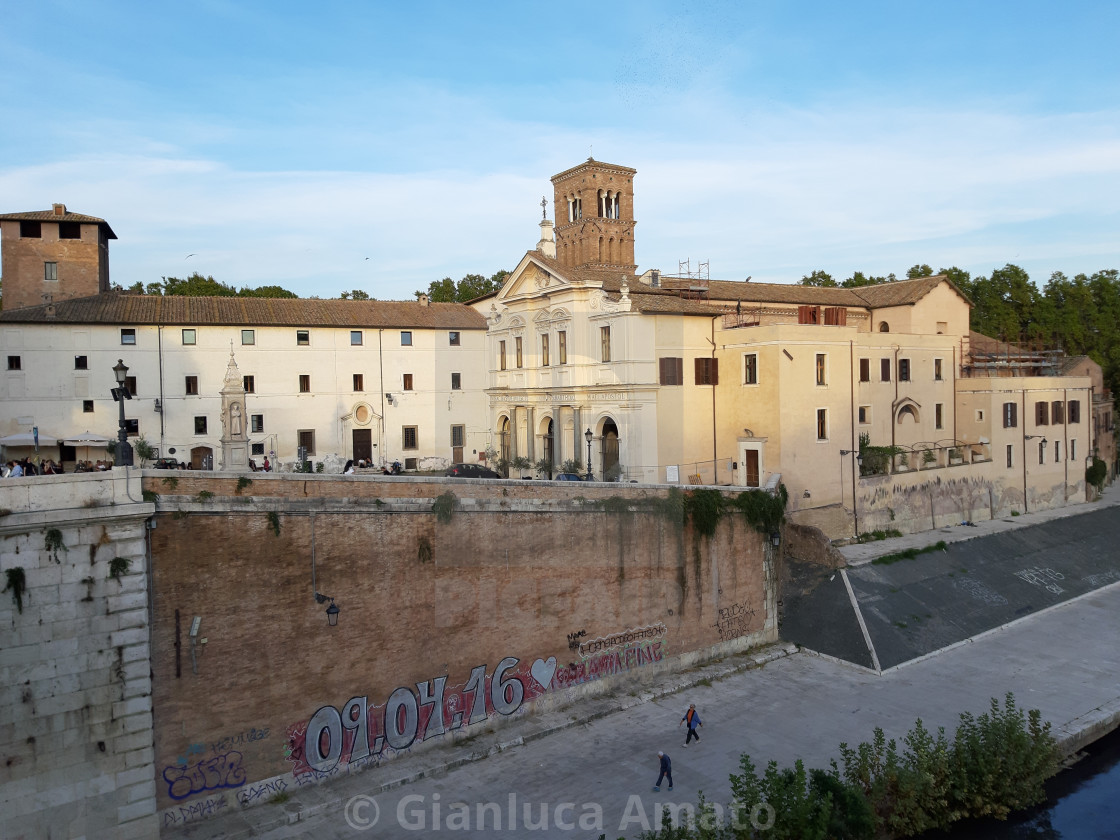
x: 693, y: 720
x: 666, y: 771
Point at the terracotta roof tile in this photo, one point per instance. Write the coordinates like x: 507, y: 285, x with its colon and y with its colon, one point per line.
x: 50, y: 216
x: 237, y: 311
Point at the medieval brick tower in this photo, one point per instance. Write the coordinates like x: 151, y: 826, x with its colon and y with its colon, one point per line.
x: 51, y: 255
x: 594, y: 207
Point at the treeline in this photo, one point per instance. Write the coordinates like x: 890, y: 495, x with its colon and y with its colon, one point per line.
x: 198, y: 286
x: 1079, y: 314
x: 470, y: 287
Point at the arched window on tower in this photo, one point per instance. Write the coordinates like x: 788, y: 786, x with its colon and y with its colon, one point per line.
x: 604, y: 209
x: 615, y: 215
x: 600, y: 257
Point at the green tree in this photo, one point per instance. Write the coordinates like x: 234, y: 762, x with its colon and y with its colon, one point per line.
x: 355, y: 294
x: 267, y: 292
x: 916, y: 271
x: 818, y: 278
x: 1004, y: 303
x: 470, y: 287
x: 197, y: 286
x: 860, y: 279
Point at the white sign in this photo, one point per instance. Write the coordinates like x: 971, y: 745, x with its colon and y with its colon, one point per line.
x: 672, y: 474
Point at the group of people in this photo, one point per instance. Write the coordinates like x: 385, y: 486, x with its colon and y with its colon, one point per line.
x: 27, y: 466
x: 692, y: 718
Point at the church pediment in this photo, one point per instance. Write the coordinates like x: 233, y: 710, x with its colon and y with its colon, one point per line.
x: 531, y: 279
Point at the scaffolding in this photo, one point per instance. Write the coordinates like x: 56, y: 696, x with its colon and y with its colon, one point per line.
x: 982, y: 356
x: 696, y: 287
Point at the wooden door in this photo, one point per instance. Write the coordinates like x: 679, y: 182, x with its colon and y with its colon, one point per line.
x: 752, y: 467
x: 363, y: 444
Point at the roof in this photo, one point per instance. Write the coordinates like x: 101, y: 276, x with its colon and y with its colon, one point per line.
x: 243, y: 311
x: 591, y: 163
x: 51, y: 216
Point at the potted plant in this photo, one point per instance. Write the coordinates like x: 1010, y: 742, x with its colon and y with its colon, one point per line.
x: 543, y: 466
x: 519, y: 464
x: 903, y: 462
x: 928, y: 458
x: 955, y: 456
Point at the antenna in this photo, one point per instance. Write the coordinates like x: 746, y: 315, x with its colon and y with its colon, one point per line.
x: 544, y: 204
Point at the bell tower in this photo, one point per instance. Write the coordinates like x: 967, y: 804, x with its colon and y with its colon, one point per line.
x: 594, y: 210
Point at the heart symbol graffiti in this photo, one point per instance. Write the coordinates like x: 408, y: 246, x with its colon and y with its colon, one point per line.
x: 543, y: 671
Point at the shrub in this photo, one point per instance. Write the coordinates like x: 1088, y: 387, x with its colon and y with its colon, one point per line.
x: 1097, y: 473
x: 444, y: 506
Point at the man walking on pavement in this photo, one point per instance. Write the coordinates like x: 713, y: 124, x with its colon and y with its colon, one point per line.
x: 693, y: 721
x: 666, y: 771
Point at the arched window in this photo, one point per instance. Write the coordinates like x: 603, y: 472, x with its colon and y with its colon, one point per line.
x: 907, y: 412
x: 604, y: 211
x: 615, y: 214
x: 600, y: 257
x: 884, y: 326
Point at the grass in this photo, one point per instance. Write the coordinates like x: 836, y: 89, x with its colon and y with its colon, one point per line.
x: 908, y: 554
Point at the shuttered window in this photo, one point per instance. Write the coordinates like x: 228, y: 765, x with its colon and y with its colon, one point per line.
x: 672, y: 371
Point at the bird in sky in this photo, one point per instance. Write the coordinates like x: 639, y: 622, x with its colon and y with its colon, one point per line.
x: 188, y: 256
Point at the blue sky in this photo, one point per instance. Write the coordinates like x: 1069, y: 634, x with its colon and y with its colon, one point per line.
x: 288, y: 142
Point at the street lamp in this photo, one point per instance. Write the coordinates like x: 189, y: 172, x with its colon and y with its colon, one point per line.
x: 120, y: 394
x: 1025, y: 490
x: 588, y: 437
x: 332, y: 610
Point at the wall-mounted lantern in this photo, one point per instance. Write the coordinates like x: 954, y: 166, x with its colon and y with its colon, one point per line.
x: 332, y: 610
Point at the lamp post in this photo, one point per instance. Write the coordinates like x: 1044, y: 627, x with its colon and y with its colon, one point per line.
x: 1025, y: 439
x: 588, y: 437
x: 855, y: 499
x: 120, y: 394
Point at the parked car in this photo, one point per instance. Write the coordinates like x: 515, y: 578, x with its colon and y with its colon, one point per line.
x: 470, y: 471
x: 166, y: 464
x: 567, y: 477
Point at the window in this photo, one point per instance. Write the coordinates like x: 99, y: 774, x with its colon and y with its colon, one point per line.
x: 1058, y: 412
x: 81, y: 363
x: 979, y: 415
x: 355, y: 338
x: 1042, y: 451
x: 939, y: 416
x: 189, y: 337
x: 822, y: 424
x: 128, y: 336
x: 1057, y: 452
x: 821, y: 369
x: 501, y: 355
x: 406, y: 338
x: 836, y: 316
x: 50, y: 272
x: 864, y: 370
x: 408, y: 437
x: 407, y: 379
x: 453, y: 338
x: 942, y: 327
x: 15, y: 363
x: 517, y: 351
x: 69, y: 230
x: 750, y: 369
x: 458, y: 435
x: 808, y: 314
x: 1075, y: 411
x: 562, y: 347
x: 1041, y: 413
x: 1010, y: 455
x: 130, y: 384
x: 30, y: 230
x: 456, y: 382
x: 200, y: 425
x: 672, y: 370
x: 87, y: 406
x: 359, y: 382
x: 937, y: 370
x: 256, y: 423
x: 257, y: 449
x: 191, y: 386
x: 303, y: 338
x: 544, y: 350
x: 132, y: 428
x: 605, y: 343
x: 1010, y: 415
x: 864, y: 415
x: 707, y: 371
x: 248, y: 337
x: 306, y: 441
x: 249, y: 383
x: 903, y: 370
x: 1073, y: 449
x: 884, y: 370
x: 305, y: 383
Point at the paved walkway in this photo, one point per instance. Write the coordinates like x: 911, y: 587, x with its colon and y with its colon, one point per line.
x: 591, y: 767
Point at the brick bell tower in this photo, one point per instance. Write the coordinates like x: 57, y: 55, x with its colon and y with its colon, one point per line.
x: 594, y: 208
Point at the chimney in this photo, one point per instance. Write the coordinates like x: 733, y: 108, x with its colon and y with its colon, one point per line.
x: 423, y: 299
x: 59, y: 209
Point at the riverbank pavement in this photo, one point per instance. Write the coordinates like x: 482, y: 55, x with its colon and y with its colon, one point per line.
x: 857, y: 554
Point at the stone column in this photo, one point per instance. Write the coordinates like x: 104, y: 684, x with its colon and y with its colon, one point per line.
x: 577, y: 434
x: 513, y: 453
x: 530, y: 433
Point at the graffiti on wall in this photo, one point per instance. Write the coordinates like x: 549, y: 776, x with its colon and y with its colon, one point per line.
x: 359, y: 733
x: 734, y: 621
x: 606, y: 664
x: 194, y: 811
x: 624, y: 639
x: 219, y: 771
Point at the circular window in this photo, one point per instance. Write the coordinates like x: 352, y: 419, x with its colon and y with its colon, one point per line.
x: 362, y: 414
